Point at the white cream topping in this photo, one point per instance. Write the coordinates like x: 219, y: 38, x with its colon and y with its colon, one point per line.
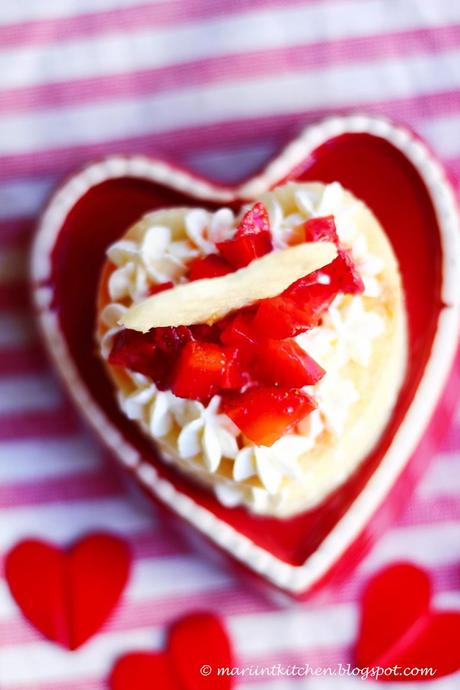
x: 346, y: 334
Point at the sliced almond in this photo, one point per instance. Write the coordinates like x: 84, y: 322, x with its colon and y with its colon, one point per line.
x: 210, y: 299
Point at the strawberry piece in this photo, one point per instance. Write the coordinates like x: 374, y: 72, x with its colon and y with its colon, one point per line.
x: 321, y: 230
x: 205, y: 332
x: 160, y: 287
x: 238, y: 372
x: 240, y: 252
x: 133, y: 350
x: 279, y: 318
x: 171, y: 339
x: 254, y: 221
x: 344, y: 275
x: 240, y: 330
x: 311, y: 296
x: 200, y: 371
x: 140, y: 352
x: 284, y: 363
x: 252, y: 238
x: 265, y: 413
x: 210, y: 266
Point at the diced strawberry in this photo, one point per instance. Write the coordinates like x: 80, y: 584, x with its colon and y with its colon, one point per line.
x: 252, y: 238
x: 200, y: 371
x: 254, y: 221
x: 240, y: 330
x: 206, y: 333
x: 241, y: 251
x: 279, y: 318
x: 344, y: 275
x: 172, y: 339
x: 133, y: 350
x: 210, y: 266
x: 321, y: 230
x: 238, y: 372
x: 161, y: 369
x: 285, y: 363
x: 160, y: 287
x: 265, y: 413
x: 139, y: 352
x: 311, y: 296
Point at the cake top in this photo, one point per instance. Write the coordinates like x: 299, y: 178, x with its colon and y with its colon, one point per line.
x: 261, y: 379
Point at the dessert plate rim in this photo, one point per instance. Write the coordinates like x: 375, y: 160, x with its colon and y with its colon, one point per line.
x: 294, y: 579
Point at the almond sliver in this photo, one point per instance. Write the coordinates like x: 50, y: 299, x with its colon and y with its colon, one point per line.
x: 210, y: 299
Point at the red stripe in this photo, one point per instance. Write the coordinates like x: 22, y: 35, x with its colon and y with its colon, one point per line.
x: 69, y: 488
x: 233, y: 600
x: 79, y: 684
x: 229, y: 67
x: 14, y: 295
x: 22, y: 360
x: 16, y: 232
x: 38, y: 424
x: 451, y: 440
x: 150, y: 612
x: 180, y: 144
x: 430, y: 511
x: 260, y: 667
x: 156, y: 542
x: 126, y: 19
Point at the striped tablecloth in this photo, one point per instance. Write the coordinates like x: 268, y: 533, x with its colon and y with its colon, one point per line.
x: 217, y: 85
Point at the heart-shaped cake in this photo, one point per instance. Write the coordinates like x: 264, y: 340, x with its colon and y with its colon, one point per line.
x: 264, y: 359
x: 270, y: 393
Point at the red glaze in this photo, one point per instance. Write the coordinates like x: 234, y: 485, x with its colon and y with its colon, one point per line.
x: 398, y: 197
x: 265, y: 413
x: 67, y: 594
x: 399, y: 627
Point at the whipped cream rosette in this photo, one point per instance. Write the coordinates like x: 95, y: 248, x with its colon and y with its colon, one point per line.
x: 262, y: 352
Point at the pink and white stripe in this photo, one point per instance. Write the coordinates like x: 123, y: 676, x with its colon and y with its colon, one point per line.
x: 216, y: 85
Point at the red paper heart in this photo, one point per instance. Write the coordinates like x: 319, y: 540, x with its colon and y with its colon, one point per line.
x: 143, y: 671
x: 68, y: 594
x: 398, y: 627
x: 198, y: 641
x: 197, y: 645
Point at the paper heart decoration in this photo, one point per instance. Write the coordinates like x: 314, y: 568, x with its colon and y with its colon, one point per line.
x: 68, y: 594
x: 399, y: 627
x: 394, y: 173
x: 197, y: 645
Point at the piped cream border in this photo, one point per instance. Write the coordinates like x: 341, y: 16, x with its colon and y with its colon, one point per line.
x: 293, y: 579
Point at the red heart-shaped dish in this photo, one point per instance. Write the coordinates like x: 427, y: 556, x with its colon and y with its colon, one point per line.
x: 390, y: 170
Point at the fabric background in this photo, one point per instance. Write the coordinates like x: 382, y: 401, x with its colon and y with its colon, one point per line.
x: 217, y: 85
